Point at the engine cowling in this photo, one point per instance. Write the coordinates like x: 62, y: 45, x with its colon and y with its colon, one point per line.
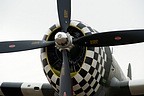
x: 87, y: 64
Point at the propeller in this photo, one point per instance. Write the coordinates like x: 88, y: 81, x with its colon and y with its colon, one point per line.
x: 111, y: 38
x: 64, y: 13
x: 14, y: 46
x: 65, y: 79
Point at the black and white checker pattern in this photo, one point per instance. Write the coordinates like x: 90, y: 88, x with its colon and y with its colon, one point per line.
x: 87, y: 80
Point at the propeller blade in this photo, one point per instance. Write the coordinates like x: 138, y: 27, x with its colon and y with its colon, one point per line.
x: 65, y: 79
x: 15, y: 46
x: 111, y: 38
x: 64, y: 13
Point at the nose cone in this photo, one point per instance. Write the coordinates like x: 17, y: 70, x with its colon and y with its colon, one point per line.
x: 61, y: 38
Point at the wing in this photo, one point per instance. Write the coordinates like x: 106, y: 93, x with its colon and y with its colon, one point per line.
x: 127, y: 88
x: 26, y: 89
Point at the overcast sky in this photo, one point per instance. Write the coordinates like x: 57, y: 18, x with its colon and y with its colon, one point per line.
x: 30, y: 19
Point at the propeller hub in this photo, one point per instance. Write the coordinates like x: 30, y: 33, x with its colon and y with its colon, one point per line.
x: 61, y: 38
x: 63, y: 41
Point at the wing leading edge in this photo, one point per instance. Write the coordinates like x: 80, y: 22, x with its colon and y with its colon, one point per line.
x: 127, y: 88
x: 26, y: 89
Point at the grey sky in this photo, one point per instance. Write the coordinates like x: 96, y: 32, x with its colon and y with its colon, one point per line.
x: 30, y: 19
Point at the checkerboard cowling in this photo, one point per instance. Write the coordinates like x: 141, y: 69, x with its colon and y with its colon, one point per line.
x: 87, y: 81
